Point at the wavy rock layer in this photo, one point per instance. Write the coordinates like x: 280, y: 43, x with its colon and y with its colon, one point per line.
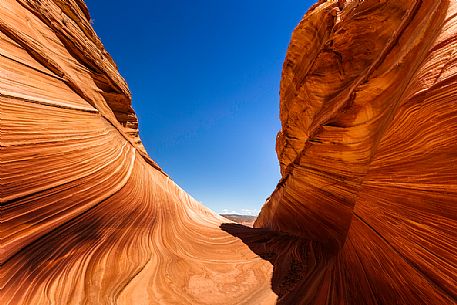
x: 368, y: 151
x: 86, y: 216
x: 365, y: 212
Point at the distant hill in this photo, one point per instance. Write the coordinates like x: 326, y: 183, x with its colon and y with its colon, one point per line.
x: 246, y: 220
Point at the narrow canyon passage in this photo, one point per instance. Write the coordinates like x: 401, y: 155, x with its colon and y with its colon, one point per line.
x: 365, y: 212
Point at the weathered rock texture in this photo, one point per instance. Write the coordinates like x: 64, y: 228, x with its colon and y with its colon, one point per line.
x: 365, y: 213
x: 368, y: 152
x: 86, y: 215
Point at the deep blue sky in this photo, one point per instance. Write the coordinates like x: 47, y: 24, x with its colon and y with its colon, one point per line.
x: 204, y: 76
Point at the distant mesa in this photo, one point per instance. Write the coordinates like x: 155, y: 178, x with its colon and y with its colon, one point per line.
x: 246, y: 220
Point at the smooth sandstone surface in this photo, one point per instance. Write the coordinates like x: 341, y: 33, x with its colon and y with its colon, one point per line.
x: 366, y: 211
x: 86, y: 216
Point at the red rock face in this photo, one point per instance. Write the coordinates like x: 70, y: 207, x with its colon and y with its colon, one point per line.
x: 86, y: 216
x: 368, y: 150
x: 365, y: 212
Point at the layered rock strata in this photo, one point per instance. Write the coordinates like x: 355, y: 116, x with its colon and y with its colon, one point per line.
x: 368, y: 150
x: 365, y: 212
x: 86, y: 216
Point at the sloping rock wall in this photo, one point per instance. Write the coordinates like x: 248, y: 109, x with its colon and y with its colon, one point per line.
x: 368, y: 148
x: 86, y: 216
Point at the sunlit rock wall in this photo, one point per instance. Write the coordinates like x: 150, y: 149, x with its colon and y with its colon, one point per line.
x: 86, y: 216
x: 368, y: 150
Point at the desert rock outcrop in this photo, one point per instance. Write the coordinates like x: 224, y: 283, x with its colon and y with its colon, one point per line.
x: 365, y: 212
x: 86, y: 216
x: 368, y: 151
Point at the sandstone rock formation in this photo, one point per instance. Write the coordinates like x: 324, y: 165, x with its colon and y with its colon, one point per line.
x: 368, y: 152
x: 86, y: 216
x: 365, y: 213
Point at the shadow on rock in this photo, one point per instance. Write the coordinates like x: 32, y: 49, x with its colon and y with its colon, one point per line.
x: 299, y: 265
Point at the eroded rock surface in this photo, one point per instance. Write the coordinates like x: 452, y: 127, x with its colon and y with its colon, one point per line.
x: 365, y: 212
x: 86, y: 216
x: 368, y: 151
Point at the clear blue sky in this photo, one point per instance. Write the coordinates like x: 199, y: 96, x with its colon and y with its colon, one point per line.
x: 204, y: 76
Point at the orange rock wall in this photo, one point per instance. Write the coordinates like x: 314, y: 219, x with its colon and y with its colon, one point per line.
x: 86, y: 216
x: 368, y: 149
